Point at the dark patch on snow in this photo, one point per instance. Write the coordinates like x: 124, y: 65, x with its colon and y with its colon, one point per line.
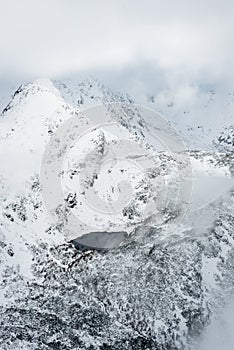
x: 100, y: 240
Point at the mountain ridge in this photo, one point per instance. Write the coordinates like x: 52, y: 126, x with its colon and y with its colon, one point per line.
x: 159, y: 289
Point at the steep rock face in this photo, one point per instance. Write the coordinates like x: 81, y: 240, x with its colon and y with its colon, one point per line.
x: 156, y: 291
x: 225, y: 141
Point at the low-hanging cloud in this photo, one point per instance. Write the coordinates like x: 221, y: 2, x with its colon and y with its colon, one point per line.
x: 53, y: 37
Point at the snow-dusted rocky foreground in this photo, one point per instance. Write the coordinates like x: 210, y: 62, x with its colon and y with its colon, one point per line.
x: 171, y: 269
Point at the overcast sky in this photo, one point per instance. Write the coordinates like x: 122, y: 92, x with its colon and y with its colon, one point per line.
x: 192, y: 39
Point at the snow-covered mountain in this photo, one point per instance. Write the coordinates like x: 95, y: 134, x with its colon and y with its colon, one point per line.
x: 172, y: 267
x: 198, y: 114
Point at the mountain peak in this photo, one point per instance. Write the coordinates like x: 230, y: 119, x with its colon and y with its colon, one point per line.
x: 27, y: 90
x: 88, y: 92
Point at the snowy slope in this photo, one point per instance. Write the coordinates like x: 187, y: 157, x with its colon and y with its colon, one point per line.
x: 157, y: 290
x: 198, y: 114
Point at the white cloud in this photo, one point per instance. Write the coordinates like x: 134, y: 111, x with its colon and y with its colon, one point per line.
x: 219, y: 334
x: 51, y: 37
